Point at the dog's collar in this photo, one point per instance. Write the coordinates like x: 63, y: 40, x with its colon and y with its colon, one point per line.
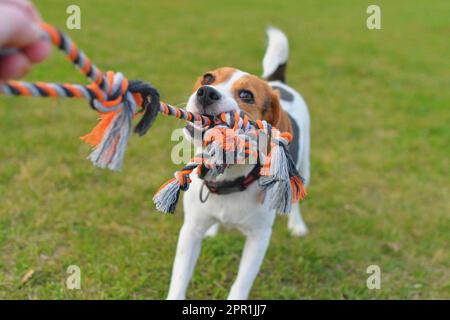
x: 230, y: 186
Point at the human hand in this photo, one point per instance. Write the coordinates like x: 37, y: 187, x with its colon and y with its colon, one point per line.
x: 19, y: 28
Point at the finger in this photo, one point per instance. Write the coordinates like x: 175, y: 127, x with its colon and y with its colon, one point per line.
x: 38, y: 51
x: 26, y: 7
x: 14, y: 66
x: 15, y: 28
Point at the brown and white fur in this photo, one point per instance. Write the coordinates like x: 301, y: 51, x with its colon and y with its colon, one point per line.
x: 226, y: 89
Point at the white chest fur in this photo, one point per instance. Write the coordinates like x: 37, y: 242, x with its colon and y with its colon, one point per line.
x: 244, y: 210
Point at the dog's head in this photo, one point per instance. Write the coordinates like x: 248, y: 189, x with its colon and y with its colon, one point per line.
x: 228, y: 89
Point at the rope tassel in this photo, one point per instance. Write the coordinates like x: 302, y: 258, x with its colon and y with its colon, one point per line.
x: 110, y: 151
x: 275, y: 179
x: 110, y: 137
x: 166, y: 198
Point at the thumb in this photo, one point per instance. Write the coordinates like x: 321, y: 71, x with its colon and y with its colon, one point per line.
x: 16, y: 29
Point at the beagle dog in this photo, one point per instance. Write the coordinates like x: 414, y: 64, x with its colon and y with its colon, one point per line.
x: 235, y: 197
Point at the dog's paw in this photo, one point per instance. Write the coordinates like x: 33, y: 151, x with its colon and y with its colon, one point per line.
x: 299, y: 230
x: 212, y: 231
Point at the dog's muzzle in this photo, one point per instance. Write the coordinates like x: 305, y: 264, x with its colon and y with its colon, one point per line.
x: 207, y: 95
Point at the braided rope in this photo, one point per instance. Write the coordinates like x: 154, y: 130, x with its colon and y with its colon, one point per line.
x: 118, y: 101
x: 111, y: 94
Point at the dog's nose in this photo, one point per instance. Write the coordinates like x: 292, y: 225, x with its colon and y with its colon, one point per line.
x: 207, y: 95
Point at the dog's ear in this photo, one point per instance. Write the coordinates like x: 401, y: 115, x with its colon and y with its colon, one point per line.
x: 275, y: 115
x: 273, y: 108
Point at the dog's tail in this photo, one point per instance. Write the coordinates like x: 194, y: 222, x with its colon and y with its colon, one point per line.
x: 275, y: 59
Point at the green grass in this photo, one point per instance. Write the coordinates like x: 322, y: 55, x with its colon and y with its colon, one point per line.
x: 379, y: 102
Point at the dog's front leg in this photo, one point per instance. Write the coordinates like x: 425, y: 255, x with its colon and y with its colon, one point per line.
x: 188, y: 250
x: 254, y: 251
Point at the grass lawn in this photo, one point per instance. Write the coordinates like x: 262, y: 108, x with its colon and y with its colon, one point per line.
x: 379, y: 102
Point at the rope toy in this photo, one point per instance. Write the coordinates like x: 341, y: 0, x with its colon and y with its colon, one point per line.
x: 119, y: 100
x: 235, y: 134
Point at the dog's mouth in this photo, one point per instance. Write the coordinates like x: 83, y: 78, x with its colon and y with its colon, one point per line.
x: 196, y: 128
x: 210, y: 113
x: 215, y: 109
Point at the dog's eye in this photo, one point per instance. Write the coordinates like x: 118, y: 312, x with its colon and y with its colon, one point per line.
x: 246, y: 96
x: 208, y: 79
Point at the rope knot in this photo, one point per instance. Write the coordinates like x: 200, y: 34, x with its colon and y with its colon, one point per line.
x: 117, y: 100
x: 110, y: 93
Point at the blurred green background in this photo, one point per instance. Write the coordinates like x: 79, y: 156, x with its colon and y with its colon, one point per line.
x: 379, y: 102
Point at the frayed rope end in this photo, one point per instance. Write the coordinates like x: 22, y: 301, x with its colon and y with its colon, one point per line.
x: 110, y: 136
x: 110, y: 151
x: 166, y: 198
x: 281, y: 180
